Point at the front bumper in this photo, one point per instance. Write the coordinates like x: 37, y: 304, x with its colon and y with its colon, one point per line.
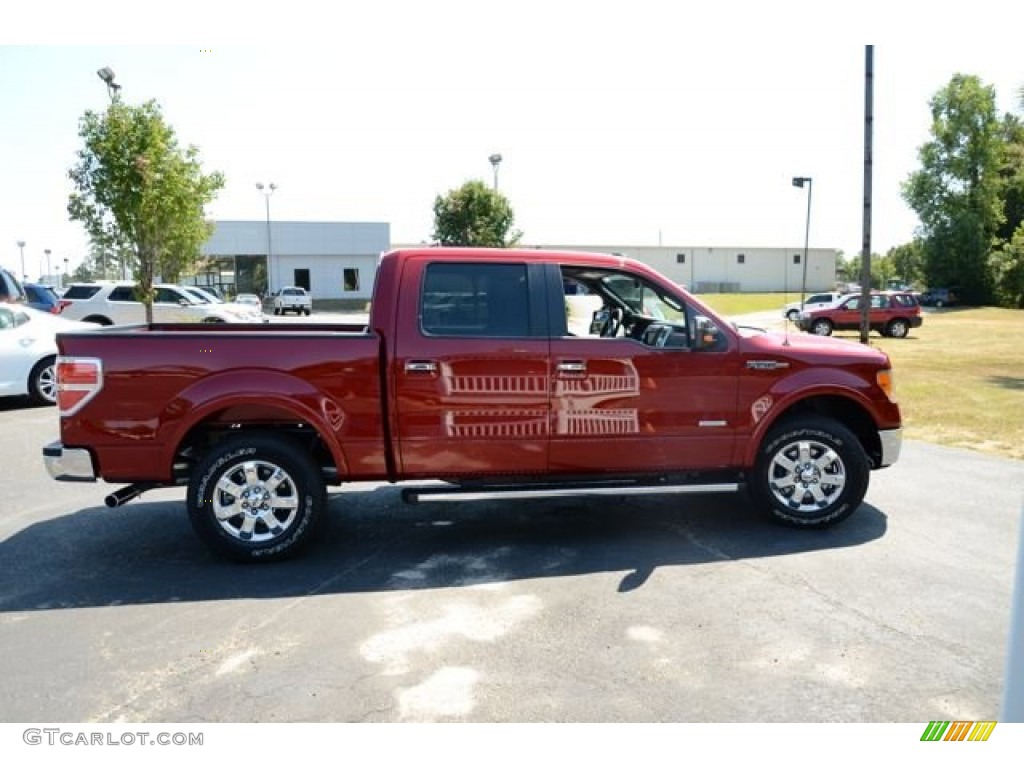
x: 892, y: 441
x: 72, y: 464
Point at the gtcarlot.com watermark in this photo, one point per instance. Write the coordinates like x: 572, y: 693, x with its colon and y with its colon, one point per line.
x: 54, y: 737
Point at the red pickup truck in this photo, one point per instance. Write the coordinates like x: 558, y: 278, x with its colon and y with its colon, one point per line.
x: 478, y: 369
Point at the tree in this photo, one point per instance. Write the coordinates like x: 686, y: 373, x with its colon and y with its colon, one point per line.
x: 139, y: 194
x: 474, y: 214
x: 1008, y: 271
x: 956, y: 193
x: 1011, y: 175
x: 907, y: 261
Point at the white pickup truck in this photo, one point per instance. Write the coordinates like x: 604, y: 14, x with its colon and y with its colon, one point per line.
x: 293, y: 299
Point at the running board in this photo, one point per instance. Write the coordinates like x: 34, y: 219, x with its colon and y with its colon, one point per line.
x: 454, y: 493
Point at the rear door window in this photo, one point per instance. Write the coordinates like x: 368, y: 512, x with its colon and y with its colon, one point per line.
x: 468, y: 299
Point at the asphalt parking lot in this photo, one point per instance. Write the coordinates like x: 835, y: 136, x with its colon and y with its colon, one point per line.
x: 661, y: 609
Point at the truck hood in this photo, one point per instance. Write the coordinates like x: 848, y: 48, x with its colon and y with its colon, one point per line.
x: 809, y: 348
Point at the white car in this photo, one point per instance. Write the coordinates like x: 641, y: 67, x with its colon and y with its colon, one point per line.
x: 115, y: 304
x: 252, y: 313
x: 815, y: 301
x: 293, y: 299
x: 28, y: 351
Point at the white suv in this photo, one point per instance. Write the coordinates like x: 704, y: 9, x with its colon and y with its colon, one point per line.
x: 292, y: 299
x: 815, y: 301
x: 115, y: 304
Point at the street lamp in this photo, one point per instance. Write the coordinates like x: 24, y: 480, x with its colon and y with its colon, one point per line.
x: 495, y: 162
x: 107, y: 76
x: 67, y: 269
x: 798, y: 181
x: 21, y: 247
x: 60, y: 284
x: 49, y: 273
x: 267, y: 191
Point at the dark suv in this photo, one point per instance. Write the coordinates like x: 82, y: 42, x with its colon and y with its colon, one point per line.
x: 940, y: 297
x: 10, y: 288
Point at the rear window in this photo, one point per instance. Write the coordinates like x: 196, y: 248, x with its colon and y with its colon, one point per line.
x: 294, y: 292
x: 475, y: 300
x: 81, y: 291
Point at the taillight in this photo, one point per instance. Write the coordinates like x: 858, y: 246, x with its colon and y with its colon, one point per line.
x: 61, y: 306
x: 79, y: 380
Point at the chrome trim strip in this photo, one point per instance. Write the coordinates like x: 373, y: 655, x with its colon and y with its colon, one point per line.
x: 712, y: 423
x: 644, y: 490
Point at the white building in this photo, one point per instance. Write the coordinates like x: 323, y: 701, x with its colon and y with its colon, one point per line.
x: 732, y: 270
x: 332, y: 260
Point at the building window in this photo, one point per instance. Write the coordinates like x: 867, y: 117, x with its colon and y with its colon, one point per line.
x: 680, y: 258
x: 796, y: 258
x: 351, y: 279
x: 741, y: 258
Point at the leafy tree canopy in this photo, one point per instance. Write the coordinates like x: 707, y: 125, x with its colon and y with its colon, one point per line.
x: 139, y: 194
x: 474, y: 214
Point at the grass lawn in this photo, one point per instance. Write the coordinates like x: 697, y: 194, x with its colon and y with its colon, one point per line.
x: 959, y: 378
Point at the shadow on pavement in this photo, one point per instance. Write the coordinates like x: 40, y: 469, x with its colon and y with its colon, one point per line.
x: 146, y: 552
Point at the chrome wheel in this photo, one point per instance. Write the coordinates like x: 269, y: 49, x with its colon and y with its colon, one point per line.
x: 42, y: 382
x: 255, y: 501
x: 822, y: 328
x: 806, y: 476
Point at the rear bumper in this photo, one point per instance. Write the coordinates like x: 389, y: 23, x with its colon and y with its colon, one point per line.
x: 892, y: 442
x: 72, y: 464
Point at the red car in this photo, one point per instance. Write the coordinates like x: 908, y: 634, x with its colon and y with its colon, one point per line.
x: 891, y: 314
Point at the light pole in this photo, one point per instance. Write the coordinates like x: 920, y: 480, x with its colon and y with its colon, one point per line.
x: 59, y: 283
x: 267, y: 191
x: 21, y: 247
x: 49, y: 273
x: 107, y: 76
x: 67, y: 269
x: 495, y: 162
x: 798, y: 181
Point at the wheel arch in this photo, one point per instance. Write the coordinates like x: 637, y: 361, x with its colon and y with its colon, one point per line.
x: 197, y: 420
x: 846, y: 409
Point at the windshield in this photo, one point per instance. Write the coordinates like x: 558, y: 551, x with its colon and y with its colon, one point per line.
x: 644, y: 299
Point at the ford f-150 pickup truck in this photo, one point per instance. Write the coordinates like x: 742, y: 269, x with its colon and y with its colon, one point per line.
x: 475, y: 369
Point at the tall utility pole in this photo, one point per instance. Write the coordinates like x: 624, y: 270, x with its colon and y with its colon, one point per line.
x: 865, y: 253
x: 21, y: 247
x: 799, y: 181
x: 267, y: 191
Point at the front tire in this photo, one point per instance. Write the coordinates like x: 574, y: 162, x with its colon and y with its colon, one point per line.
x: 42, y: 382
x: 792, y: 315
x: 822, y: 328
x: 256, y: 498
x: 810, y: 473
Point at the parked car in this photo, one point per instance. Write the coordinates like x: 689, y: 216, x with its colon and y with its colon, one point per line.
x: 815, y: 301
x: 250, y: 300
x: 10, y: 288
x: 941, y: 297
x: 42, y: 297
x: 115, y: 304
x: 293, y: 299
x: 890, y: 314
x: 205, y: 296
x: 28, y: 351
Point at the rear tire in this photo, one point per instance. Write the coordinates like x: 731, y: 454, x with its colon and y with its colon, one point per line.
x: 810, y: 473
x: 897, y: 329
x: 256, y: 497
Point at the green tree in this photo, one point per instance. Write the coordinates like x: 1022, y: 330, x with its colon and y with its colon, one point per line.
x: 907, y: 262
x: 1007, y: 265
x: 1011, y: 174
x: 956, y: 192
x: 140, y: 195
x: 474, y: 214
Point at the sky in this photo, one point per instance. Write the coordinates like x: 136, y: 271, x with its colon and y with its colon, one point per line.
x: 628, y: 123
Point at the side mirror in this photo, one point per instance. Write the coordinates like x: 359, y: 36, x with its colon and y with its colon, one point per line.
x: 705, y: 334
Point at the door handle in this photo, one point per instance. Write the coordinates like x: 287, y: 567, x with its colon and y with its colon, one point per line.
x: 572, y: 366
x: 420, y: 366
